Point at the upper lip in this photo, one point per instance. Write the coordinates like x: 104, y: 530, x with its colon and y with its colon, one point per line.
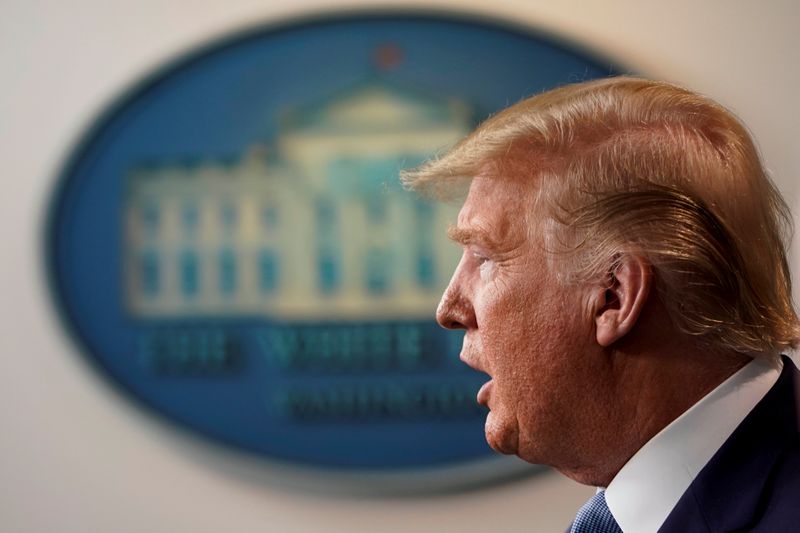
x: 470, y: 362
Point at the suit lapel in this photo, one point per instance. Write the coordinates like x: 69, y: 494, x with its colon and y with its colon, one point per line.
x: 726, y: 494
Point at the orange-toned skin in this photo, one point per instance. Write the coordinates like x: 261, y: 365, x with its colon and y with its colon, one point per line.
x: 582, y: 375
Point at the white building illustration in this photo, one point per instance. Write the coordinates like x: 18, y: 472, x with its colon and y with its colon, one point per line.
x: 313, y: 227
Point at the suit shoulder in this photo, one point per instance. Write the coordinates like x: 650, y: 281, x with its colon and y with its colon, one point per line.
x: 781, y: 502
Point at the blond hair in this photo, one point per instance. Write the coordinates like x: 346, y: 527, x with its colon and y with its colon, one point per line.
x: 632, y: 164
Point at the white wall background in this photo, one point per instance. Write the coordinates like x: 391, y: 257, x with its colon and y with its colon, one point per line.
x: 75, y: 456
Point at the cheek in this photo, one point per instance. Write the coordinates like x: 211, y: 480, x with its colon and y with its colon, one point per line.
x: 530, y: 340
x: 512, y: 311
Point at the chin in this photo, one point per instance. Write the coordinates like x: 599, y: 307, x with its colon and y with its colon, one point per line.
x: 503, y: 438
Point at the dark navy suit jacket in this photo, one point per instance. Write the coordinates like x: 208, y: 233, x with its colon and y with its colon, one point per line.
x: 753, y: 481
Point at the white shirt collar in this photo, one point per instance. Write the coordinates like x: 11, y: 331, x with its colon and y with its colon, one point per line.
x: 646, y: 489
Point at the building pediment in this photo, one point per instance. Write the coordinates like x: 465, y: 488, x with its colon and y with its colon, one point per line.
x: 376, y: 105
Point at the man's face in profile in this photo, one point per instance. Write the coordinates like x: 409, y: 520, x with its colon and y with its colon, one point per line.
x: 523, y: 327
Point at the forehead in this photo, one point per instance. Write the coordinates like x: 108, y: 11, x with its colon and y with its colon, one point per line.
x: 497, y: 208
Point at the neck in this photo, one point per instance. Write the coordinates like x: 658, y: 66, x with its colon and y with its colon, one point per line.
x: 648, y: 389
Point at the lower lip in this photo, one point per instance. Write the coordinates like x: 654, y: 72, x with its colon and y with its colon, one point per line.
x: 483, y: 393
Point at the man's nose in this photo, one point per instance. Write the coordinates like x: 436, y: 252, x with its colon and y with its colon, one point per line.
x: 454, y: 311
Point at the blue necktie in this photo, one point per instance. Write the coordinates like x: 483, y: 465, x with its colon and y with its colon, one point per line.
x: 594, y: 517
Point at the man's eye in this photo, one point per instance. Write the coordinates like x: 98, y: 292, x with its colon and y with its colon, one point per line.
x: 485, y: 266
x: 480, y: 259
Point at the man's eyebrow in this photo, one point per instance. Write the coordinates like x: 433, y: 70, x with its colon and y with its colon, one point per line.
x: 465, y: 236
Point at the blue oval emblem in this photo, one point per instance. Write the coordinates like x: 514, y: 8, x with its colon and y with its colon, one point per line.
x: 230, y: 244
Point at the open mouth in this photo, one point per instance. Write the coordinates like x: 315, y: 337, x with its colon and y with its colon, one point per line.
x: 485, y: 390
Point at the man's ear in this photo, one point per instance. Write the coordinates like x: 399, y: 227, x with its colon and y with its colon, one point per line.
x: 617, y: 306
